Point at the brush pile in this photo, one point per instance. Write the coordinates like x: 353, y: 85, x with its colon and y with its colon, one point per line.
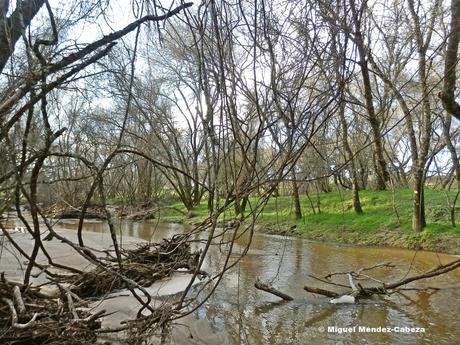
x: 144, y: 265
x: 29, y: 317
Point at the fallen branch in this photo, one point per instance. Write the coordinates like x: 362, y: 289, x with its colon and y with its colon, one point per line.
x: 352, y: 284
x: 18, y: 299
x: 319, y: 291
x: 385, y: 288
x: 270, y: 289
x: 434, y: 272
x: 14, y: 316
x: 71, y: 306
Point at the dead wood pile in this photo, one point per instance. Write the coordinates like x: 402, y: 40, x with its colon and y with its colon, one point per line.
x: 27, y: 317
x: 59, y: 211
x: 143, y: 265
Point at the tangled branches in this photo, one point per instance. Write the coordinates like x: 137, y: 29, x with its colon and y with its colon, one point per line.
x: 28, y: 317
x: 62, y: 315
x: 380, y: 287
x: 144, y: 265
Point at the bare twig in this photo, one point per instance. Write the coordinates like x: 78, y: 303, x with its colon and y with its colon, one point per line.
x: 383, y: 264
x: 327, y: 281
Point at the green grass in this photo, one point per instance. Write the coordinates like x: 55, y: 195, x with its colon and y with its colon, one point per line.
x: 381, y: 211
x: 337, y: 221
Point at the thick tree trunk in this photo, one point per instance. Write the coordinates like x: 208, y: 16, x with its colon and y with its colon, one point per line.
x: 295, y: 195
x: 418, y: 204
x: 425, y: 126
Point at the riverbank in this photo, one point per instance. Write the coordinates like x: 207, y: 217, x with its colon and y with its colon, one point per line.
x: 386, y: 220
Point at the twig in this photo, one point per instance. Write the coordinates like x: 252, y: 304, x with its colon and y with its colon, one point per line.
x: 383, y: 264
x: 95, y: 316
x: 42, y: 270
x: 418, y: 289
x: 365, y: 276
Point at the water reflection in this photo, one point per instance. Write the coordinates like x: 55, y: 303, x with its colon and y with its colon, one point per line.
x: 251, y: 316
x: 254, y: 317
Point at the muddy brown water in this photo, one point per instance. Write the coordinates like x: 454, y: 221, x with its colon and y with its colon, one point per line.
x: 251, y: 316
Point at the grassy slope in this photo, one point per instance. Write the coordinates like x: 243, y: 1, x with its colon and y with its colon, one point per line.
x: 377, y: 226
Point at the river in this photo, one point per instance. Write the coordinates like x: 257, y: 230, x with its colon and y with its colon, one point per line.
x: 251, y: 316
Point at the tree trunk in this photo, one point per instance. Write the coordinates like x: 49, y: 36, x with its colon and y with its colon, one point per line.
x: 455, y: 161
x: 310, y: 201
x: 355, y: 196
x: 244, y: 203
x: 295, y: 195
x: 381, y: 171
x: 418, y: 204
x: 349, y: 157
x: 418, y: 218
x: 210, y: 201
x: 450, y: 77
x: 12, y: 27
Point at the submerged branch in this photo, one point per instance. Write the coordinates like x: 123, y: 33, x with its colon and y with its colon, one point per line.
x: 270, y: 289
